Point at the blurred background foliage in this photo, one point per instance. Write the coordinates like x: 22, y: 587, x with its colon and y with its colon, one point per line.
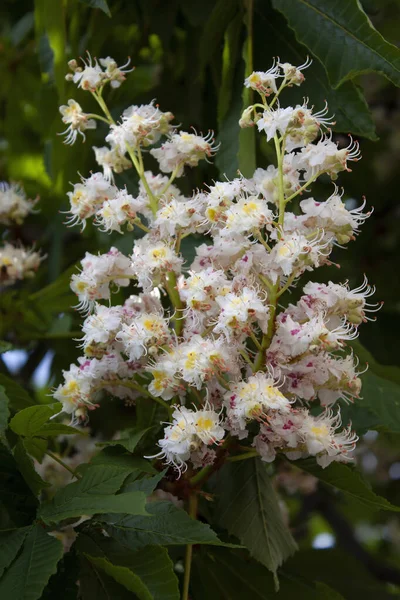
x: 191, y: 57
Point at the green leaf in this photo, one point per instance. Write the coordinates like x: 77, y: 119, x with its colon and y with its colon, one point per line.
x: 272, y: 37
x: 4, y: 412
x: 129, y: 440
x: 145, y: 484
x: 341, y: 571
x: 124, y: 576
x: 151, y: 567
x: 381, y: 397
x: 327, y: 593
x: 223, y: 574
x: 115, y: 458
x: 94, y: 584
x: 230, y: 57
x: 28, y: 575
x: 5, y: 346
x: 248, y: 508
x: 94, y: 494
x: 36, y: 447
x: 10, y: 544
x: 222, y: 14
x: 348, y: 480
x: 100, y: 4
x: 342, y: 37
x: 28, y: 472
x: 50, y: 25
x: 167, y: 525
x: 387, y: 372
x: 29, y: 422
x: 17, y: 503
x: 247, y: 135
x: 17, y: 396
x: 57, y: 296
x: 54, y: 429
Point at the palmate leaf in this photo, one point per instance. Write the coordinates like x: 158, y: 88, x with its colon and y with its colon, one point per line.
x: 27, y: 470
x: 10, y: 543
x: 100, y: 4
x: 382, y: 398
x: 223, y: 13
x: 348, y: 480
x: 95, y: 584
x: 248, y: 508
x: 17, y: 396
x: 30, y: 420
x: 94, y: 493
x: 4, y: 412
x: 223, y: 574
x: 128, y: 440
x: 339, y: 570
x: 272, y: 37
x: 379, y: 405
x: 342, y: 37
x: 167, y: 526
x: 17, y: 503
x: 28, y: 575
x: 149, y: 572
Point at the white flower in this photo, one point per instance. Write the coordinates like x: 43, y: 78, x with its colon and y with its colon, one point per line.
x: 98, y: 272
x: 333, y: 217
x: 184, y: 149
x: 140, y: 125
x: 146, y: 333
x: 115, y: 74
x: 253, y: 399
x: 274, y: 121
x: 119, y: 210
x: 17, y: 263
x: 248, y: 213
x: 78, y: 121
x: 91, y: 77
x: 295, y: 252
x: 88, y: 197
x: 201, y: 359
x: 239, y: 310
x: 14, y: 204
x: 179, y: 214
x: 200, y: 289
x: 102, y: 326
x: 264, y: 82
x: 152, y: 259
x: 292, y: 74
x: 325, y: 157
x: 111, y: 160
x: 165, y: 383
x: 321, y: 440
x: 187, y: 435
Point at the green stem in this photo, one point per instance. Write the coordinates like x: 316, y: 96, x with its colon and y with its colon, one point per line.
x: 255, y: 340
x: 103, y: 107
x: 287, y: 285
x: 170, y: 285
x: 93, y: 116
x: 257, y: 233
x: 246, y: 357
x: 62, y: 463
x: 170, y: 180
x: 243, y: 456
x: 303, y: 187
x: 193, y: 503
x: 281, y: 189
